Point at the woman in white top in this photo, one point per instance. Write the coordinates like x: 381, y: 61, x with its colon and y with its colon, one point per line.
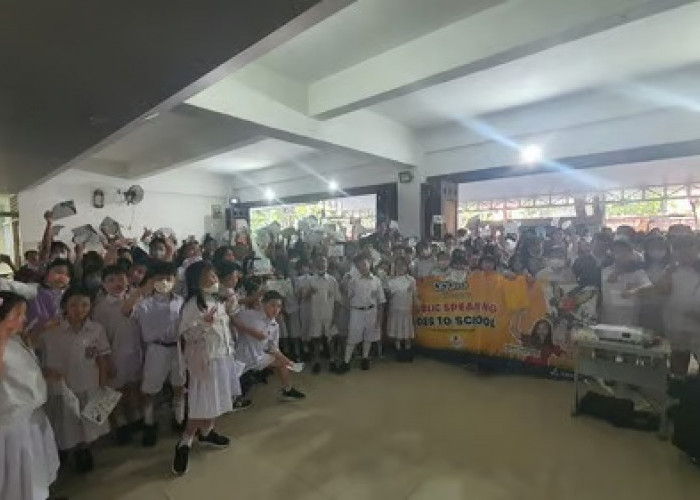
x: 28, y: 455
x: 403, y: 298
x: 206, y: 332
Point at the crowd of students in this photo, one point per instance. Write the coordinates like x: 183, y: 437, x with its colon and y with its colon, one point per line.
x: 204, y: 322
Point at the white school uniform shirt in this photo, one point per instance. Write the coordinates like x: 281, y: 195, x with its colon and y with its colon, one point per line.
x: 26, y: 290
x: 684, y: 297
x: 423, y: 268
x: 121, y: 330
x: 402, y: 290
x: 616, y: 309
x: 217, y: 334
x: 366, y: 291
x: 74, y: 354
x: 158, y: 318
x: 250, y: 350
x: 327, y: 294
x: 22, y: 385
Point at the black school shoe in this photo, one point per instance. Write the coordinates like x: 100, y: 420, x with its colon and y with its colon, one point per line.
x: 150, y: 435
x: 316, y: 368
x: 333, y: 367
x: 181, y: 462
x: 365, y: 364
x: 292, y: 395
x: 241, y: 403
x: 83, y: 461
x: 343, y: 368
x: 214, y: 440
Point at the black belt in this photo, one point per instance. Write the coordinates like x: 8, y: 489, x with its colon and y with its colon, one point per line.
x: 368, y: 308
x: 164, y: 344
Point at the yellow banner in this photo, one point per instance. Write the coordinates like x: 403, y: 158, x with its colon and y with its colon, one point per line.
x: 498, y: 316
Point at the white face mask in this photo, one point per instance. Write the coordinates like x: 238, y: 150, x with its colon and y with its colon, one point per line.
x: 211, y: 290
x: 163, y: 286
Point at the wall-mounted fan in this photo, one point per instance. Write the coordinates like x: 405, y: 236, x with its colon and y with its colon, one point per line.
x: 133, y: 195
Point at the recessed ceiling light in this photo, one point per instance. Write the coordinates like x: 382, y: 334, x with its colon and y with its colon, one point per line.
x: 269, y: 194
x: 333, y: 185
x: 531, y: 154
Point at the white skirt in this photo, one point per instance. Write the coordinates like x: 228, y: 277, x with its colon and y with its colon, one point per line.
x: 71, y: 429
x: 210, y: 397
x: 400, y: 325
x: 28, y: 458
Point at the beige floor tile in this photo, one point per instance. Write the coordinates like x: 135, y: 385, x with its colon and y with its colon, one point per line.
x: 421, y: 431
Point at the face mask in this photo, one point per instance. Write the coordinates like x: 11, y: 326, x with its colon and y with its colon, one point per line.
x: 557, y: 263
x: 211, y: 290
x: 163, y: 286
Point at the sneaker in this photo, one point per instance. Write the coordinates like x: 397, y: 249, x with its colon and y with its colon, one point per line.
x: 150, y: 436
x: 214, y: 440
x: 241, y: 403
x: 316, y: 368
x: 292, y: 395
x: 83, y: 461
x: 343, y: 368
x: 181, y: 461
x: 122, y: 434
x: 365, y: 364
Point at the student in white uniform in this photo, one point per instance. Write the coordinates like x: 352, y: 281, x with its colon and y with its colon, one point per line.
x: 425, y: 262
x: 113, y: 312
x: 620, y: 285
x: 366, y: 294
x: 403, y: 298
x: 229, y: 274
x: 556, y: 272
x: 75, y: 355
x: 206, y: 334
x: 157, y: 317
x: 298, y: 310
x: 681, y: 316
x: 322, y: 291
x: 258, y: 342
x: 27, y: 445
x: 442, y: 268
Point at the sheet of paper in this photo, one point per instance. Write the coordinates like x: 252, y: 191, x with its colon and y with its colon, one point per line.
x: 86, y: 235
x: 110, y: 228
x: 101, y: 404
x: 63, y: 209
x: 296, y: 367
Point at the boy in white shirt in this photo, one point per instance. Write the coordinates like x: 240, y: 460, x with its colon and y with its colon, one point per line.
x: 366, y: 294
x: 322, y: 291
x: 258, y: 343
x: 620, y: 285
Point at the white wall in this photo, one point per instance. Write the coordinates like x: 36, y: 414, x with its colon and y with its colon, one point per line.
x: 180, y: 200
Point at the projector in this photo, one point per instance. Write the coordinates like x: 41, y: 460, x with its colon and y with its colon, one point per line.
x: 626, y: 334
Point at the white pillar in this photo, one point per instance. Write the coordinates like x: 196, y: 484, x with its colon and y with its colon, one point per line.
x: 409, y: 204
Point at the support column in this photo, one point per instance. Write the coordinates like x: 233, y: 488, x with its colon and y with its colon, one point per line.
x: 411, y: 203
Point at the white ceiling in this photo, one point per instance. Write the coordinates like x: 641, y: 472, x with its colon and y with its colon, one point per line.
x: 262, y: 154
x: 631, y: 175
x: 607, y: 58
x: 362, y: 30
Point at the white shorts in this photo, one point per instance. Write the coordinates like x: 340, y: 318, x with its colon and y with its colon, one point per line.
x: 321, y: 327
x: 363, y: 326
x: 161, y: 362
x: 293, y: 326
x: 128, y: 368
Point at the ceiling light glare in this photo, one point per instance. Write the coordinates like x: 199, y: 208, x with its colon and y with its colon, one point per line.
x: 531, y: 154
x: 333, y: 185
x: 269, y: 194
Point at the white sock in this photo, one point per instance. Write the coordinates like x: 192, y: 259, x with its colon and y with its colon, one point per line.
x: 148, y: 413
x: 179, y: 408
x: 397, y: 343
x: 186, y: 440
x: 366, y: 346
x: 349, y: 348
x: 207, y: 430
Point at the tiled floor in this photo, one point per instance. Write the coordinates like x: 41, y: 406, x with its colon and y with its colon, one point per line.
x: 423, y: 431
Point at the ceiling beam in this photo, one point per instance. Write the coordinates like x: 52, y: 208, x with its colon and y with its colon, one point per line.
x: 497, y: 36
